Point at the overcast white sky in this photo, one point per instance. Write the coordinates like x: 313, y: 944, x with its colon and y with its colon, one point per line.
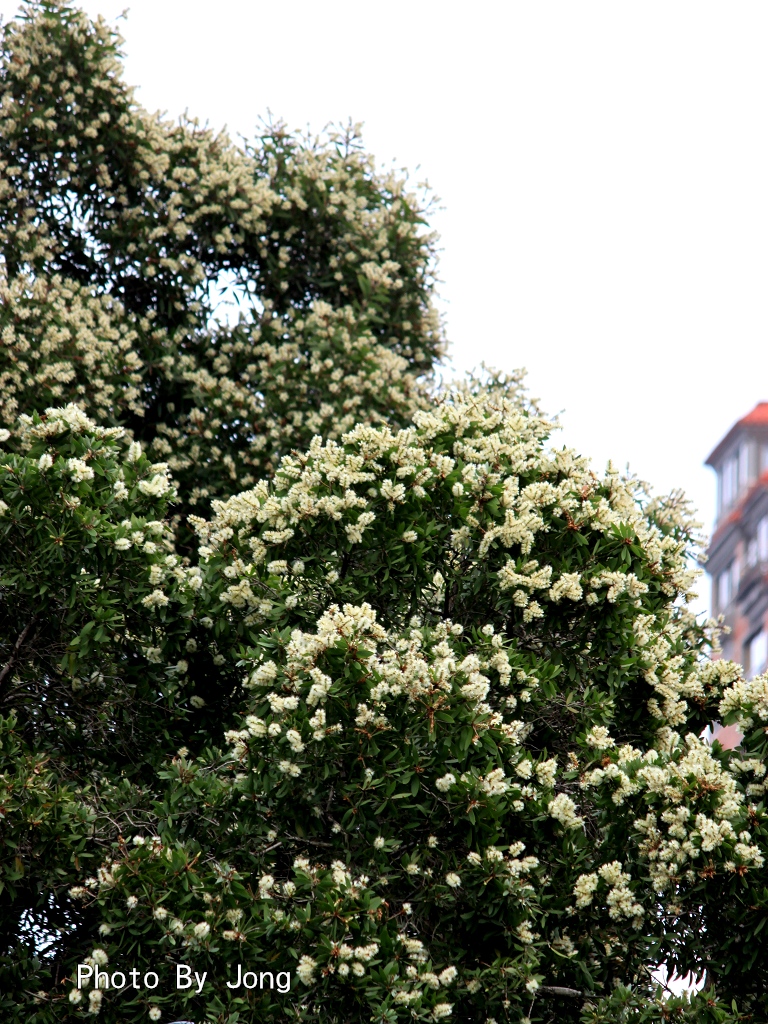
x: 603, y: 168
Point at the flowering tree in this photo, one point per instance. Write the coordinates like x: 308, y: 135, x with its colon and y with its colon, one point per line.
x: 326, y: 694
x: 121, y: 230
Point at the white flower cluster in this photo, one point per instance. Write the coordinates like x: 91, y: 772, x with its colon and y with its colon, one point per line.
x: 58, y: 419
x: 59, y: 339
x: 398, y: 669
x: 599, y: 737
x: 288, y: 372
x: 497, y: 442
x: 619, y: 899
x: 746, y: 700
x: 672, y: 838
x: 563, y: 809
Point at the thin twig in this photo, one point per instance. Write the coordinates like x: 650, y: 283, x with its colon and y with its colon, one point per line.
x: 15, y: 652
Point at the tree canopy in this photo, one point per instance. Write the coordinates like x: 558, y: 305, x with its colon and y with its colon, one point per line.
x: 312, y: 666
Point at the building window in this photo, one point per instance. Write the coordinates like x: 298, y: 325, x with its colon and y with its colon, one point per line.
x: 730, y: 481
x: 744, y: 475
x: 728, y: 584
x: 757, y: 653
x: 762, y: 539
x: 752, y: 552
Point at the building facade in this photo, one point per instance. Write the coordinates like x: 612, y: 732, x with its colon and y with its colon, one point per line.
x: 738, y: 551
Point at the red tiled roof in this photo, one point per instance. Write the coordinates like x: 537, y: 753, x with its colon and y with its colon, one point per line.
x: 758, y: 417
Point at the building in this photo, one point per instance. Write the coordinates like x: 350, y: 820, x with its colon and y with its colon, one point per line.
x: 738, y: 551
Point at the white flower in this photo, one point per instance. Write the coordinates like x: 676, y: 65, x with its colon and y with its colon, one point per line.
x: 255, y: 726
x: 79, y: 470
x: 99, y: 956
x: 44, y: 462
x: 453, y: 880
x: 155, y: 1013
x: 448, y: 976
x: 131, y: 902
x: 202, y: 930
x: 445, y: 783
x: 598, y: 736
x: 378, y: 843
x: 584, y: 889
x: 156, y: 486
x: 567, y: 586
x: 364, y: 715
x: 442, y: 1010
x: 563, y: 809
x: 75, y: 996
x: 495, y: 782
x: 546, y: 772
x: 305, y: 969
x: 4, y: 434
x: 134, y: 452
x: 289, y: 768
x: 367, y: 952
x: 94, y: 1001
x: 122, y: 543
x: 294, y: 740
x: 392, y: 491
x: 410, y: 536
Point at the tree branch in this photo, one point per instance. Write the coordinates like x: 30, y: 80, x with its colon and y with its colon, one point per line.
x: 5, y: 670
x: 557, y: 990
